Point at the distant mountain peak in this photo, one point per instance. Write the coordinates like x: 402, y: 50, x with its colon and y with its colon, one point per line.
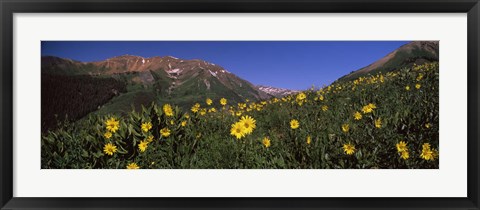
x: 415, y: 52
x: 277, y: 92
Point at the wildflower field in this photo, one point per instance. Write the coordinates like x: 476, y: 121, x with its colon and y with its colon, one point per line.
x: 382, y: 121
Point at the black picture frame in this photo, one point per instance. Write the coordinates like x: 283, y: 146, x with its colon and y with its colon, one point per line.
x: 9, y: 7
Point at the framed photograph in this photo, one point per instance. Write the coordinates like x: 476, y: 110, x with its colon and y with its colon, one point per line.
x: 239, y: 105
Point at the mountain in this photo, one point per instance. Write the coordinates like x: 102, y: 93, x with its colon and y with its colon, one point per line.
x: 159, y: 79
x: 416, y: 52
x: 276, y: 92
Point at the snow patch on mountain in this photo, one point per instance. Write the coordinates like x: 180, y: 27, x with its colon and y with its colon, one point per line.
x: 174, y: 71
x: 213, y: 73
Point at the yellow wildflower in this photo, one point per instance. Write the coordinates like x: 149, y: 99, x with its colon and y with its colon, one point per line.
x: 357, y: 116
x: 266, y: 142
x: 428, y: 125
x: 428, y: 153
x: 324, y: 108
x: 109, y: 149
x: 165, y: 132
x: 143, y: 146
x: 237, y: 130
x: 209, y: 101
x: 368, y: 108
x: 345, y: 128
x: 378, y: 123
x: 203, y: 111
x: 349, y: 149
x: 309, y: 139
x: 418, y: 86
x: 401, y: 146
x: 183, y: 123
x: 301, y: 97
x: 112, y: 125
x: 407, y: 88
x: 132, y: 166
x: 223, y: 101
x: 294, y: 124
x: 146, y: 126
x: 419, y: 77
x: 149, y: 139
x: 195, y: 108
x: 248, y: 123
x: 107, y: 135
x: 167, y: 109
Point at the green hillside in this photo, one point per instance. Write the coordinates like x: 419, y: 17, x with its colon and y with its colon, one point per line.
x: 387, y: 120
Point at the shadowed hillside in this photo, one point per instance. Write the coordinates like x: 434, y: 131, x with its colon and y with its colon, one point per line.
x: 72, y: 97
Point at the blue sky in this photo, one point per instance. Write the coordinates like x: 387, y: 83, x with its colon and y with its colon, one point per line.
x: 287, y: 64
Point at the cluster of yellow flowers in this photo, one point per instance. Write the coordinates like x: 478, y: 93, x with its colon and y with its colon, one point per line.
x: 402, y: 150
x: 112, y: 125
x: 146, y: 127
x: 368, y: 108
x: 245, y: 126
x: 369, y: 80
x: 301, y: 98
x: 319, y: 97
x: 428, y: 153
x: 195, y: 108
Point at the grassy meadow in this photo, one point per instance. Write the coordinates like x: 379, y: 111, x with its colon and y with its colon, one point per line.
x: 382, y: 121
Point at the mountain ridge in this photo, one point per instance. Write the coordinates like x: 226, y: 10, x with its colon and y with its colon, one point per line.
x: 275, y: 91
x: 415, y: 52
x: 169, y: 79
x: 175, y: 69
